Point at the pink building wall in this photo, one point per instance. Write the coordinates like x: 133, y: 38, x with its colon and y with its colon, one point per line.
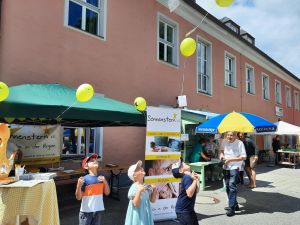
x: 36, y: 47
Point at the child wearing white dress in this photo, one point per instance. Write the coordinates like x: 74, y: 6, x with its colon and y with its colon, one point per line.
x: 140, y: 195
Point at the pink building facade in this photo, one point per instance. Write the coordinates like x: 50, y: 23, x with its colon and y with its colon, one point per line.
x: 127, y: 49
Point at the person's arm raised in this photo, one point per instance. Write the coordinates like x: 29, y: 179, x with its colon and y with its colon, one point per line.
x: 191, y: 190
x: 78, y: 192
x: 137, y: 198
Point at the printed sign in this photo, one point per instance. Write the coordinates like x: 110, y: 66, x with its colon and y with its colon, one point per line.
x: 39, y: 144
x: 163, y: 144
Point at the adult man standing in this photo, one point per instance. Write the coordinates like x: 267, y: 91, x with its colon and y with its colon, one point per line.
x: 233, y: 152
x: 251, y: 160
x: 276, y: 147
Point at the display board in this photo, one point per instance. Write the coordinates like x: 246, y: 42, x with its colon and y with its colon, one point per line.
x: 161, y: 151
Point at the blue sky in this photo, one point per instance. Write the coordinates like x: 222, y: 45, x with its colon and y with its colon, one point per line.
x: 273, y: 23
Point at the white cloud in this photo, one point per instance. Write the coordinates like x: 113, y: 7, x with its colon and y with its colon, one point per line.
x: 273, y: 23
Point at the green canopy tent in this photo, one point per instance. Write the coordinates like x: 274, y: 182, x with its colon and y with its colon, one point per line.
x: 45, y: 104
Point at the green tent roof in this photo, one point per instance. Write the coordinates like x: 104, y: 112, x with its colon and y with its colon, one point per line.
x: 43, y: 103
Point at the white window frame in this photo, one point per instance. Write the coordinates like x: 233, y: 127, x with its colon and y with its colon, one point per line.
x: 98, y: 141
x: 229, y: 55
x: 297, y: 100
x: 278, y: 101
x: 288, y: 96
x: 233, y: 28
x: 175, y: 26
x: 208, y: 91
x: 250, y: 40
x: 252, y: 81
x: 102, y: 17
x: 267, y: 97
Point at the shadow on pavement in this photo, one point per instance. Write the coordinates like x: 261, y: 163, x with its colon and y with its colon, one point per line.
x: 266, y: 202
x: 264, y: 184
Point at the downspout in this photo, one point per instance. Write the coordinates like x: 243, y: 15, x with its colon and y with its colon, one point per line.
x: 241, y: 83
x: 0, y: 15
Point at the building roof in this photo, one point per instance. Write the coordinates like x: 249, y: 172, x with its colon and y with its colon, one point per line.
x: 198, y: 8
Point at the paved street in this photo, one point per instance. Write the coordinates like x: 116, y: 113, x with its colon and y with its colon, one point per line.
x: 276, y: 200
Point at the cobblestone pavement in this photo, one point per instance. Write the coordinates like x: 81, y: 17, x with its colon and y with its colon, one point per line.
x: 276, y: 200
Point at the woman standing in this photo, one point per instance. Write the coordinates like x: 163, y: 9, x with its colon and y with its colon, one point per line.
x: 197, y: 154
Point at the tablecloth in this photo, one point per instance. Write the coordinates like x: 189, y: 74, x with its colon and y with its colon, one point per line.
x: 38, y: 202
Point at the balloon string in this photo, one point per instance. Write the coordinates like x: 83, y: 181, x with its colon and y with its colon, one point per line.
x: 65, y: 110
x: 182, y: 83
x: 191, y: 31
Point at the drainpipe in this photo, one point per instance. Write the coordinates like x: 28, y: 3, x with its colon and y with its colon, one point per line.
x: 0, y: 15
x: 241, y: 83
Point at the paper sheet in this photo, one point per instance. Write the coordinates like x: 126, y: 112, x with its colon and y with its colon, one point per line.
x: 23, y: 183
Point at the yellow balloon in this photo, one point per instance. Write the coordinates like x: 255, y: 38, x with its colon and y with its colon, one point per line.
x: 224, y: 3
x: 188, y: 47
x: 84, y: 92
x: 4, y: 91
x: 140, y: 104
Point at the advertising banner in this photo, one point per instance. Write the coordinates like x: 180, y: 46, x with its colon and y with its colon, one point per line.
x: 161, y: 151
x: 39, y: 144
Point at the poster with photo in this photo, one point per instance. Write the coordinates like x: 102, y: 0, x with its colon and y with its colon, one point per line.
x: 162, y: 150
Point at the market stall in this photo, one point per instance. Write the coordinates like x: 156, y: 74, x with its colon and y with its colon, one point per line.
x: 40, y: 104
x: 49, y: 106
x: 289, y: 156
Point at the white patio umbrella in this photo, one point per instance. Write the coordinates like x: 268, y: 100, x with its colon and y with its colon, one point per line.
x: 284, y: 128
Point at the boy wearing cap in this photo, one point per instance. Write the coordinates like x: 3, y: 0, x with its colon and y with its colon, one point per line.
x: 89, y: 190
x: 186, y: 200
x: 139, y: 210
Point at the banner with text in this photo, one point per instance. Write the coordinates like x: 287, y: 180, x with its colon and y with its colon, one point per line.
x: 39, y: 144
x: 161, y: 151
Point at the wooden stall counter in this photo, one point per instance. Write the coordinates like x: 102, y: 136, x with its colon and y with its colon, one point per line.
x: 114, y: 171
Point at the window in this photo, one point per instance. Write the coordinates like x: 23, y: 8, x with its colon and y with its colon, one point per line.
x: 204, y: 67
x: 73, y: 141
x: 230, y: 79
x: 297, y: 100
x: 76, y: 141
x: 265, y: 87
x: 167, y: 40
x: 278, y: 92
x: 288, y: 97
x: 95, y: 142
x: 250, y: 81
x: 234, y: 28
x: 86, y: 15
x: 250, y: 40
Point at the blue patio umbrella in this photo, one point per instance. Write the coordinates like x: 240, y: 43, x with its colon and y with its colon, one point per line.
x: 236, y: 121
